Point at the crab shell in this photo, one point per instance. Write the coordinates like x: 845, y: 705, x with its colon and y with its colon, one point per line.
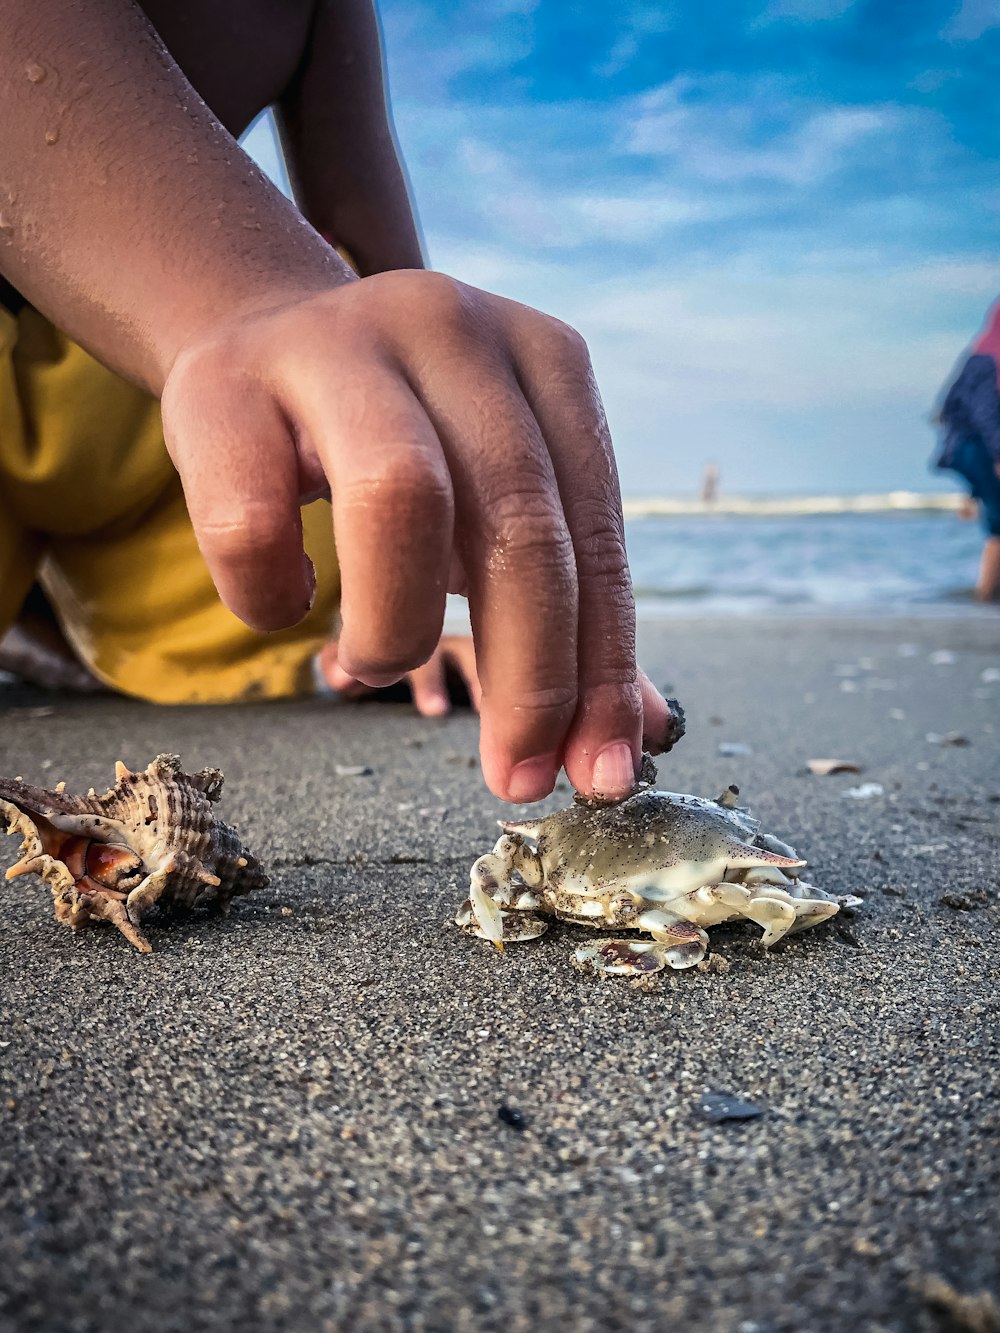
x: 664, y: 863
x: 153, y: 837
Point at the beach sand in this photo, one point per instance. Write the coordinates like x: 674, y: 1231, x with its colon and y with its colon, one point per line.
x: 290, y: 1119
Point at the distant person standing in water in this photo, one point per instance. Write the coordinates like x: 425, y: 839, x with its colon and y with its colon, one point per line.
x: 710, y: 484
x: 970, y: 445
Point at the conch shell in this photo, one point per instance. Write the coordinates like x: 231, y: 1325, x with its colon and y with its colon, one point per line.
x: 152, y: 838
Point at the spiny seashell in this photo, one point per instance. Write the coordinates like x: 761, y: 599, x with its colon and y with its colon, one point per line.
x: 152, y: 838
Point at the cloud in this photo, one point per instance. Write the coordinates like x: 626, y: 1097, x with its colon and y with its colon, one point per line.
x: 973, y: 19
x: 798, y: 373
x: 630, y: 32
x: 806, y: 11
x: 432, y: 46
x: 755, y: 130
x: 720, y: 164
x: 641, y: 215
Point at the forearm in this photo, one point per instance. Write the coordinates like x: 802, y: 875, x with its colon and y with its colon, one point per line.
x: 127, y: 212
x: 337, y: 135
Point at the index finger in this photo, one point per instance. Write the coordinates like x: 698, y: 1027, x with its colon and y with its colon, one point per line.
x: 231, y: 446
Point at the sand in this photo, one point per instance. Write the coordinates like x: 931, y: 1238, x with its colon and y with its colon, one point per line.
x: 333, y: 1111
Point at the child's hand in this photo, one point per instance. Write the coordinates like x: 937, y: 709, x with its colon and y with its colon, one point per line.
x: 463, y: 441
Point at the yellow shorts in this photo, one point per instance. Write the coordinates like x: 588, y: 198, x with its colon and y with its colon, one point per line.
x: 91, y: 507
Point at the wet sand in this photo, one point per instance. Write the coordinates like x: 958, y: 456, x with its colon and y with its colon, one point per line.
x: 300, y: 1117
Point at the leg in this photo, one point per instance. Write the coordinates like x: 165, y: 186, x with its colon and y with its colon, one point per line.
x: 975, y: 463
x: 775, y: 915
x: 682, y: 943
x: 501, y: 902
x: 36, y: 650
x: 675, y: 943
x: 988, y: 584
x: 103, y: 907
x: 776, y: 909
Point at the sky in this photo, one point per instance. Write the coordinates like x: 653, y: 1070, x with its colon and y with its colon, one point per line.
x: 776, y: 222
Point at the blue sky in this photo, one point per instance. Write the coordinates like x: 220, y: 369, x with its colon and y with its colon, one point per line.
x: 776, y: 222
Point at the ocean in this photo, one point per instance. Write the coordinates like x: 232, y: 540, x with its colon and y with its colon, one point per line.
x: 879, y: 555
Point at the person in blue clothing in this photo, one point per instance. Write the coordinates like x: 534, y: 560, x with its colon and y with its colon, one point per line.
x: 970, y: 444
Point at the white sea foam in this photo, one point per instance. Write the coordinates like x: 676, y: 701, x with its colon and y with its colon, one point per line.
x: 770, y: 505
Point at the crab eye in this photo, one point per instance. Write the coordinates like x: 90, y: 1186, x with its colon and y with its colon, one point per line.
x: 108, y: 864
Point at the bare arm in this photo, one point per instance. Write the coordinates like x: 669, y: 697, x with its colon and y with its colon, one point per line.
x: 127, y: 213
x: 339, y: 144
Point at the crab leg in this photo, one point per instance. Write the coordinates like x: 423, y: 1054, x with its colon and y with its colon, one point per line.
x: 682, y: 943
x: 810, y: 912
x: 517, y: 858
x: 493, y: 892
x: 623, y: 958
x: 775, y: 916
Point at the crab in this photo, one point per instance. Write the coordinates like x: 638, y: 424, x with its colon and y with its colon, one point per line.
x: 661, y: 863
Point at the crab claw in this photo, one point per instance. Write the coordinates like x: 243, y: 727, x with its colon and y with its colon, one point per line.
x: 683, y: 943
x: 620, y: 957
x: 488, y: 915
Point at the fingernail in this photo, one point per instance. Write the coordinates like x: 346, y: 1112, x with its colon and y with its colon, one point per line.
x: 380, y: 681
x: 532, y: 779
x: 435, y: 705
x: 614, y: 771
x: 337, y: 677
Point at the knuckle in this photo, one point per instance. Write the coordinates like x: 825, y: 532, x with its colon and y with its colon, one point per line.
x: 221, y: 363
x: 570, y: 342
x: 251, y: 534
x: 202, y: 363
x: 529, y: 703
x: 526, y: 522
x: 550, y: 699
x: 438, y: 300
x: 602, y: 553
x: 404, y: 480
x: 563, y: 370
x: 563, y: 345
